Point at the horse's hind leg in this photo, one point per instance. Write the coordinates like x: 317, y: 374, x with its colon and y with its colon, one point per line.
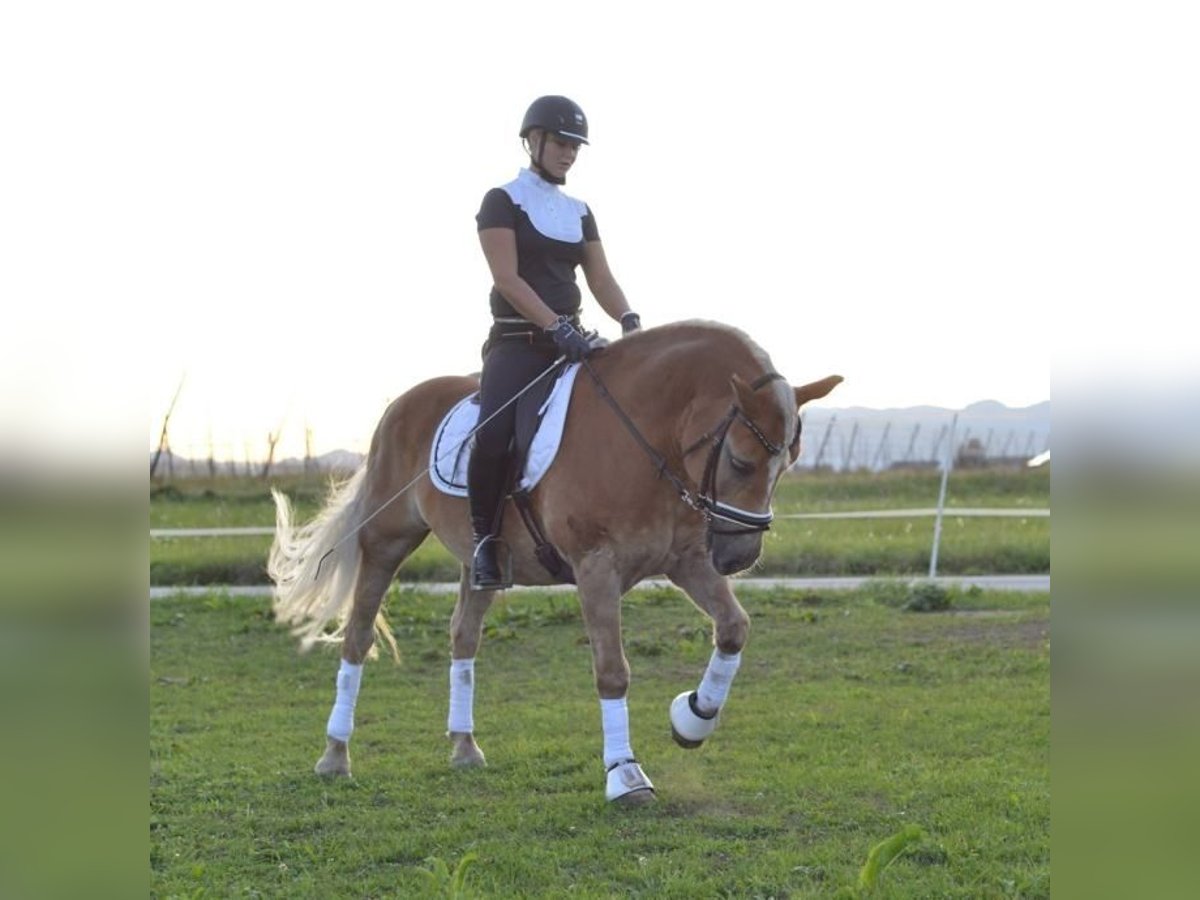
x: 381, y: 557
x: 694, y: 713
x: 466, y: 630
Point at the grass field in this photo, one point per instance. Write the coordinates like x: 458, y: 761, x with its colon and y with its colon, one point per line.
x: 793, y: 547
x: 850, y: 720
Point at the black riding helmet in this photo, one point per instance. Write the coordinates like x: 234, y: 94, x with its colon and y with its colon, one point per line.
x: 554, y: 115
x: 557, y: 115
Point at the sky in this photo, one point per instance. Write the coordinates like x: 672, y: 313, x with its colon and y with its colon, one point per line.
x: 269, y: 207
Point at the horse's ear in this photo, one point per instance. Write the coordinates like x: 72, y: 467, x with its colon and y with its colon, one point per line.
x: 743, y: 394
x: 816, y: 390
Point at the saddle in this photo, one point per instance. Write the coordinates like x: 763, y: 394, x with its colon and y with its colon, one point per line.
x: 541, y: 414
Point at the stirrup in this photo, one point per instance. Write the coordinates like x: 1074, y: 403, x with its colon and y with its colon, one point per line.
x: 504, y: 577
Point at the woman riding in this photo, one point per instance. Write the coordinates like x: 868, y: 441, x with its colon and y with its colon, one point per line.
x: 533, y: 236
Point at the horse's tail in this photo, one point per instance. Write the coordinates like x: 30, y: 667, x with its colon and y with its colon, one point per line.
x: 315, y: 566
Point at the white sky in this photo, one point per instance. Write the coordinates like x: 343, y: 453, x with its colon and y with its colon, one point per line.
x: 282, y: 195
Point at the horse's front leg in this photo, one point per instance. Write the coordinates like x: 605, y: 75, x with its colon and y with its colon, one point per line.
x: 600, y: 599
x: 466, y: 631
x: 694, y: 713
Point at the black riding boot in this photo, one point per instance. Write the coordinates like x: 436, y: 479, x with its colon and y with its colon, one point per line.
x: 485, y: 567
x: 485, y: 487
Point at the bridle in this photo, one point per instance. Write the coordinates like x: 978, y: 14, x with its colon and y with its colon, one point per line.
x: 721, y: 518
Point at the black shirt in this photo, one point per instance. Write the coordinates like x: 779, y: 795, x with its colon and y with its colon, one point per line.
x: 551, y: 230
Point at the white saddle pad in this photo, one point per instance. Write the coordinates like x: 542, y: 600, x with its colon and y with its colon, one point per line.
x: 451, y: 448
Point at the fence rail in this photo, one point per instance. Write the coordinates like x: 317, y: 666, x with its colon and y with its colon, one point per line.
x: 1020, y: 583
x: 173, y: 533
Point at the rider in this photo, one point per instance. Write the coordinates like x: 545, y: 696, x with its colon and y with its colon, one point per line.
x: 533, y: 236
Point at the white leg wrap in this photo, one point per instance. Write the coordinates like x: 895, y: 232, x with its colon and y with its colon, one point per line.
x: 614, y: 716
x: 688, y: 728
x: 623, y: 774
x: 462, y: 696
x: 714, y: 686
x: 341, y: 719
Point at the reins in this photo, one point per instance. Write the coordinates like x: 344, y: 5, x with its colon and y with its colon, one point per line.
x: 704, y: 501
x: 660, y: 461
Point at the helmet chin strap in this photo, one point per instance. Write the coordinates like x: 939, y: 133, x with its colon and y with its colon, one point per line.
x: 537, y: 165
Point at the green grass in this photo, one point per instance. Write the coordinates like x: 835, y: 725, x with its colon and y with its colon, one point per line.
x: 231, y: 502
x: 243, y: 561
x: 810, y: 492
x: 970, y: 546
x: 234, y: 502
x: 793, y: 547
x: 850, y: 720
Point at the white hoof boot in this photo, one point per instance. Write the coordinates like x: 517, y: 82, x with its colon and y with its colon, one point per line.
x: 688, y: 726
x: 627, y: 782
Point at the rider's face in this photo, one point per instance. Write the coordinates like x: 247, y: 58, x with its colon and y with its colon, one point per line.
x: 557, y: 153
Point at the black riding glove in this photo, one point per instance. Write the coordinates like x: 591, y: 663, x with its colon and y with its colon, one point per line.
x: 571, y: 344
x: 630, y: 322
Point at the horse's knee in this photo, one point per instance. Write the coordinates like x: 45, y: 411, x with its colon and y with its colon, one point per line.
x: 612, y: 682
x: 733, y: 633
x: 464, y: 640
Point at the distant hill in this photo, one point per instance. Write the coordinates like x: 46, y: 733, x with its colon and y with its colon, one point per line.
x: 859, y: 437
x: 853, y: 437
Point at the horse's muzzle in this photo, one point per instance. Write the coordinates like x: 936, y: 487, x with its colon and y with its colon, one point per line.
x: 733, y: 553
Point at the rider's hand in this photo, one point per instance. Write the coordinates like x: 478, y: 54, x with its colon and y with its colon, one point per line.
x: 630, y: 322
x: 571, y: 344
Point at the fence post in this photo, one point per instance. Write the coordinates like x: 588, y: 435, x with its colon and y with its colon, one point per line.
x: 848, y: 455
x: 941, y: 506
x: 824, y: 442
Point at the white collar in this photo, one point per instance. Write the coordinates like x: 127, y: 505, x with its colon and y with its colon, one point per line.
x: 533, y: 179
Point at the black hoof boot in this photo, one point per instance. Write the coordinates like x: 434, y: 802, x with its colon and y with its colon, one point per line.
x: 485, y: 567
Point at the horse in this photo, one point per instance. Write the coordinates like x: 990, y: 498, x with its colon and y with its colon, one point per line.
x: 670, y: 454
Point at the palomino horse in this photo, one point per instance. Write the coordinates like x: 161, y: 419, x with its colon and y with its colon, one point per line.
x: 671, y: 474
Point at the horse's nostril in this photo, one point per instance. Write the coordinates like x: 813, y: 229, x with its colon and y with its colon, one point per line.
x: 729, y: 563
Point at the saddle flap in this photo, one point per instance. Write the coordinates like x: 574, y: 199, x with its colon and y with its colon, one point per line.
x: 543, y: 426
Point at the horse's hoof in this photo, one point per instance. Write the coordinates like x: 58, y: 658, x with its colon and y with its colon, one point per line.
x: 627, y: 784
x: 466, y: 753
x: 684, y: 742
x: 688, y: 727
x: 335, y: 761
x: 643, y: 797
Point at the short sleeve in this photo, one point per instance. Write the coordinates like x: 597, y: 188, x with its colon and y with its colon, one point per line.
x: 590, y: 231
x: 497, y: 211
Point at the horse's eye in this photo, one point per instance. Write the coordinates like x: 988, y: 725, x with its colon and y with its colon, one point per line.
x: 740, y: 465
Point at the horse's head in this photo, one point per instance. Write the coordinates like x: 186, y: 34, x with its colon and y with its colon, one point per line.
x: 749, y: 446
